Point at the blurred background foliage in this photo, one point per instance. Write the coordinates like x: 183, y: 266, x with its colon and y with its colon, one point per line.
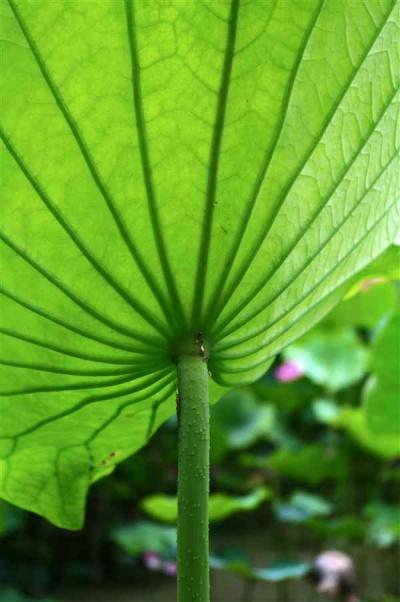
x: 306, y: 459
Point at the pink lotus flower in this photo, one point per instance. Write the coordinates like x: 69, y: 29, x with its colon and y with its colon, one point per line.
x: 152, y: 561
x: 169, y: 568
x: 289, y: 371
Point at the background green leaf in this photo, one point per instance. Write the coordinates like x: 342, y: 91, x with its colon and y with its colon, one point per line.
x: 365, y: 309
x: 355, y: 422
x: 165, y: 508
x: 144, y: 537
x: 382, y: 394
x: 333, y: 359
x: 238, y: 564
x: 301, y: 507
x: 312, y: 464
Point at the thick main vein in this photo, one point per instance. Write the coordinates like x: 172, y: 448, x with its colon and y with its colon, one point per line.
x: 214, y: 159
x: 174, y: 307
x: 61, y: 104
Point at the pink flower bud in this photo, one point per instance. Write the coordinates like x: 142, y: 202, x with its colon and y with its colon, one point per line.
x: 289, y: 371
x: 170, y: 568
x: 152, y: 561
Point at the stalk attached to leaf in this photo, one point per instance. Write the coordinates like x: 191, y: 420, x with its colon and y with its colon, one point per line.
x: 193, y: 479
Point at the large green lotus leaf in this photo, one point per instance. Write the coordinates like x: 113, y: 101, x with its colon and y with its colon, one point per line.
x: 169, y: 168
